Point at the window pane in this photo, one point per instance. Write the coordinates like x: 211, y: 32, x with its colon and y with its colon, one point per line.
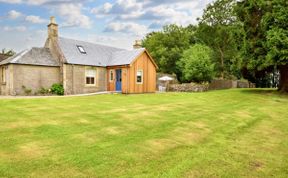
x: 81, y: 49
x: 90, y: 72
x: 111, y: 75
x: 139, y: 76
x: 92, y: 80
x: 139, y: 79
x: 87, y: 80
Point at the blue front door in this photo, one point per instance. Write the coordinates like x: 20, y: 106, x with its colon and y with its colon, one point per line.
x: 118, y: 80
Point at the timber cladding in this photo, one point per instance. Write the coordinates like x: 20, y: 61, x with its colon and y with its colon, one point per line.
x: 142, y: 63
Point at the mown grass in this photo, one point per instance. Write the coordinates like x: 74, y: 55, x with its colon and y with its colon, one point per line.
x: 228, y: 133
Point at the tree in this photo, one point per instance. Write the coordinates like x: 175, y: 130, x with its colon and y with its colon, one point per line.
x: 8, y: 52
x: 266, y: 37
x: 196, y: 64
x: 220, y: 30
x: 167, y: 46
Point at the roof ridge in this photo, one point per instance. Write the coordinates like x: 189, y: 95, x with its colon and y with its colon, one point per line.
x: 93, y: 43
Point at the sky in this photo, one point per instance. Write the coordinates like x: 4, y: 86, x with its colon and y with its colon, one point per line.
x: 118, y: 23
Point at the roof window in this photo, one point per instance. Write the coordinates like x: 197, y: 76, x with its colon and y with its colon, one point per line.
x: 81, y: 49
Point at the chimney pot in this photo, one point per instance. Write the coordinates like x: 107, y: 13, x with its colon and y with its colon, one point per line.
x: 138, y: 44
x: 52, y: 20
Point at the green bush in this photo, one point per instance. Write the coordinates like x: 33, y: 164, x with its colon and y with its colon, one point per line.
x: 57, y: 89
x: 44, y: 91
x: 196, y: 64
x: 27, y: 91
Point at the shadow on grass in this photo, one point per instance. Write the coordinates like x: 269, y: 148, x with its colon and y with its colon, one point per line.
x: 265, y: 91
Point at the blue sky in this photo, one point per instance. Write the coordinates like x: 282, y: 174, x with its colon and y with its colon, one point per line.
x: 23, y: 23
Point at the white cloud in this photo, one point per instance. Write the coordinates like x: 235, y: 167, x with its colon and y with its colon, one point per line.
x: 126, y: 27
x: 34, y: 19
x: 119, y: 7
x: 11, y: 1
x: 13, y: 14
x: 72, y: 15
x: 15, y: 28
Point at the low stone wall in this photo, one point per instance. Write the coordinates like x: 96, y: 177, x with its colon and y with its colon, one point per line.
x: 226, y: 84
x: 214, y: 85
x: 188, y: 87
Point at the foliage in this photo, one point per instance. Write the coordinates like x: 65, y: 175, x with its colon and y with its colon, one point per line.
x: 265, y: 39
x: 57, y: 89
x: 226, y: 133
x: 220, y: 30
x: 196, y: 64
x: 27, y: 91
x: 44, y: 91
x: 167, y: 46
x: 7, y: 52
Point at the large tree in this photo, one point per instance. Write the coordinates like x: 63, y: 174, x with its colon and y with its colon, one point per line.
x: 167, y: 46
x: 220, y: 30
x: 266, y: 36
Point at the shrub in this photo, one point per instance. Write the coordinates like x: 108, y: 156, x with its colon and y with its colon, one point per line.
x: 27, y: 91
x: 196, y: 64
x: 57, y: 89
x: 44, y: 91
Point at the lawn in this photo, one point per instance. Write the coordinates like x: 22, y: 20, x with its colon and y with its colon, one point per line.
x: 227, y: 133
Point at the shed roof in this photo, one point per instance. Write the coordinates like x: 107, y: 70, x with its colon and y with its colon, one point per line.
x: 34, y: 56
x: 96, y: 55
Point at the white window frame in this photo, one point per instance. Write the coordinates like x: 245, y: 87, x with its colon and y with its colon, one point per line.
x: 111, y: 72
x: 139, y: 70
x: 89, y: 73
x: 3, y: 75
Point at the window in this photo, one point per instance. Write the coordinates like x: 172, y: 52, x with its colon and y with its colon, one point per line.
x: 139, y: 77
x: 3, y: 75
x: 111, y: 75
x: 81, y: 49
x: 90, y: 77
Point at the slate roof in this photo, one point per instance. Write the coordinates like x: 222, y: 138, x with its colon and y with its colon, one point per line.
x: 96, y: 55
x: 34, y: 56
x: 3, y: 57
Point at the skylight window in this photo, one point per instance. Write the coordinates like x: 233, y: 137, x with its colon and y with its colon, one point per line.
x: 81, y: 49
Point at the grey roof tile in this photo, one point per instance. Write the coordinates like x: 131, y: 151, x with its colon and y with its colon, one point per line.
x: 96, y: 55
x: 34, y: 56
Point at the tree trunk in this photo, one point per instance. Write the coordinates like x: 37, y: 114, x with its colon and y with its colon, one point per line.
x: 222, y: 62
x: 283, y: 83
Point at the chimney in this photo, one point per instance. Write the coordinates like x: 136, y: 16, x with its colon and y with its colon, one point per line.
x: 138, y: 44
x: 52, y: 29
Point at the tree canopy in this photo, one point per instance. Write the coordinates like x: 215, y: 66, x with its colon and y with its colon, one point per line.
x: 247, y: 38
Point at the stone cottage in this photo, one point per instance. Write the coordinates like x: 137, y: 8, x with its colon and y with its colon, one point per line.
x: 80, y: 66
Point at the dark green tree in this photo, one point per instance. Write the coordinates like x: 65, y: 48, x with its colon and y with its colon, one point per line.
x: 266, y: 37
x: 220, y: 30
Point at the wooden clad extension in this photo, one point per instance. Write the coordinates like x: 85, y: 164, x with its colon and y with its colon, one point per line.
x: 143, y: 64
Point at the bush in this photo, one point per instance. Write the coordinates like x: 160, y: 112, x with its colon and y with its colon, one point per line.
x: 196, y: 64
x: 44, y: 91
x: 27, y: 91
x: 57, y: 89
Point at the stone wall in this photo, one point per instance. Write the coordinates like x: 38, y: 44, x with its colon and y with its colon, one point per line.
x: 188, y: 87
x: 214, y: 85
x: 31, y: 77
x: 75, y: 81
x: 226, y: 84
